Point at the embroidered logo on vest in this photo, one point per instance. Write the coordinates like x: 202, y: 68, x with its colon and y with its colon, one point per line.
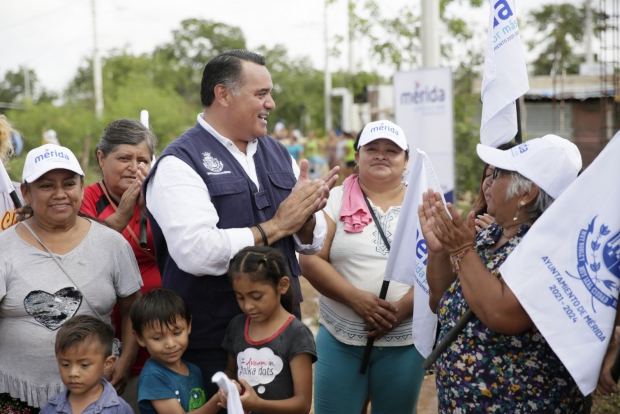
x: 213, y: 164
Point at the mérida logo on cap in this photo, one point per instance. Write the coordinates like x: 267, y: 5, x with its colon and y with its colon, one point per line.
x: 51, y: 154
x: 384, y: 127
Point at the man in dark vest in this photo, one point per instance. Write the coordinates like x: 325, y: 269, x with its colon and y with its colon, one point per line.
x: 225, y: 185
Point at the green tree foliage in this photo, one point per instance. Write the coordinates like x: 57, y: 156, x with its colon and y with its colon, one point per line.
x: 396, y: 40
x: 180, y: 62
x: 13, y: 87
x: 559, y: 28
x: 297, y: 89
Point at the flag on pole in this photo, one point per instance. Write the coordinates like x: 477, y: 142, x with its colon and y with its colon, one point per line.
x: 6, y: 186
x: 566, y: 271
x: 409, y: 253
x: 505, y: 75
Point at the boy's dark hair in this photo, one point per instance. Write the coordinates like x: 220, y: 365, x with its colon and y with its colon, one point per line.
x: 83, y: 328
x: 263, y: 264
x: 159, y: 306
x: 226, y: 69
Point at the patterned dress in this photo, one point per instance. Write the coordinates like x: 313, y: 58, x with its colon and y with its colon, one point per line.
x: 484, y: 371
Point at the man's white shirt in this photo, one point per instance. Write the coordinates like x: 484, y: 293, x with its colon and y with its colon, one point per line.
x: 179, y: 200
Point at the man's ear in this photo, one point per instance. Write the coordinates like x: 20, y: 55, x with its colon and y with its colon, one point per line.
x: 222, y: 95
x: 189, y: 327
x: 109, y: 362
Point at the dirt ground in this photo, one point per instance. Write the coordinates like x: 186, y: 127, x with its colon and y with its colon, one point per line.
x: 427, y: 403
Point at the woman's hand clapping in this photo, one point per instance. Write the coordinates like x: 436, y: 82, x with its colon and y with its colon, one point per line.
x: 425, y: 215
x: 453, y: 234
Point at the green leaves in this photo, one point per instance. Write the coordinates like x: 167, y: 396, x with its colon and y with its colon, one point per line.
x: 559, y: 28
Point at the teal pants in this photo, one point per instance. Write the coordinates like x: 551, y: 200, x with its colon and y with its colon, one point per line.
x: 393, y: 378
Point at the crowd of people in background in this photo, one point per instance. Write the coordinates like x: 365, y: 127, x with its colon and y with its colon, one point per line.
x: 323, y: 153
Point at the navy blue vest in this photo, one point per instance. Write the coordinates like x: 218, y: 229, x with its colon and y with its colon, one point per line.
x: 239, y: 204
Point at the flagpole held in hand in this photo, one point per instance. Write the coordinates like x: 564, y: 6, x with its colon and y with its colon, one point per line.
x: 384, y: 288
x: 371, y: 341
x: 448, y: 339
x: 615, y: 368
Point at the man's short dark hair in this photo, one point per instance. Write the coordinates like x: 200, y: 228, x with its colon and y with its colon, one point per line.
x: 226, y: 69
x: 160, y: 306
x: 82, y: 328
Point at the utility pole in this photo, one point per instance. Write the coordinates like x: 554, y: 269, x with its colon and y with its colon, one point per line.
x: 27, y: 91
x: 327, y: 79
x: 589, y: 54
x: 351, y: 6
x: 97, y: 77
x: 430, y: 33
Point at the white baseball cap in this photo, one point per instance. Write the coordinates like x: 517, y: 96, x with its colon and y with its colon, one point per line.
x: 383, y: 129
x: 551, y: 162
x: 49, y: 157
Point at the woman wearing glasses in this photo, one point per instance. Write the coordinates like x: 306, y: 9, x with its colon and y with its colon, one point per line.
x: 500, y: 359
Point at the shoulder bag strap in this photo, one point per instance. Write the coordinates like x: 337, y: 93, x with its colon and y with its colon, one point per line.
x: 62, y: 268
x: 374, y: 217
x: 131, y: 232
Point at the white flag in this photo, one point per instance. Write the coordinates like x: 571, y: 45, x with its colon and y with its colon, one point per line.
x: 233, y: 401
x: 409, y: 253
x: 505, y: 75
x: 6, y: 186
x: 566, y: 271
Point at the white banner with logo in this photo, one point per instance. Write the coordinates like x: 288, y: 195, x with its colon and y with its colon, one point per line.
x: 424, y: 109
x: 505, y: 75
x: 566, y: 271
x: 7, y: 208
x: 409, y: 253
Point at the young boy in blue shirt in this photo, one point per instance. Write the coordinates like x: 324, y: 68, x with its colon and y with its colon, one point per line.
x: 84, y: 353
x: 162, y: 322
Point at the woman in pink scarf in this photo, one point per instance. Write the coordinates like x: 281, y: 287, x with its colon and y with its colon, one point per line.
x: 348, y: 272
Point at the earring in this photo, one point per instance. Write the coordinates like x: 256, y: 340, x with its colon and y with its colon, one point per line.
x: 405, y: 172
x: 521, y: 204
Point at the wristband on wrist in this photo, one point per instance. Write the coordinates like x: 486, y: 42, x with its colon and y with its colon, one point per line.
x: 456, y: 258
x: 309, y: 218
x: 262, y: 233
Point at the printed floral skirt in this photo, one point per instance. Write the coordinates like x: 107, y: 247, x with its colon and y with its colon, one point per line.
x: 10, y: 405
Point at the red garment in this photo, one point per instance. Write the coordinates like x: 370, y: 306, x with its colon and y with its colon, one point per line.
x: 96, y: 204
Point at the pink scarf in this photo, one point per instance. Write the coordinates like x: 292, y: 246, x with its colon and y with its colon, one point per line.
x: 354, y: 211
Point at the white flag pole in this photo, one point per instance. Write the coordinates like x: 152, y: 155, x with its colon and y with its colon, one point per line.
x: 6, y: 186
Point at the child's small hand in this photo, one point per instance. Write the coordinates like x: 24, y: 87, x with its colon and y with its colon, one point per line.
x: 250, y: 400
x: 223, y: 398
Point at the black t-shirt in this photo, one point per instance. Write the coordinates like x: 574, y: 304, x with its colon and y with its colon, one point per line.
x: 266, y: 364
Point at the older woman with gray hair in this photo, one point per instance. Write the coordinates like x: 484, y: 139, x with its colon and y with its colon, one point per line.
x: 124, y: 154
x: 500, y: 359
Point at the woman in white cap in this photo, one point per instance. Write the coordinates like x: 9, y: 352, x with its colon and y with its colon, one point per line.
x: 500, y: 359
x: 53, y: 266
x: 348, y: 272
